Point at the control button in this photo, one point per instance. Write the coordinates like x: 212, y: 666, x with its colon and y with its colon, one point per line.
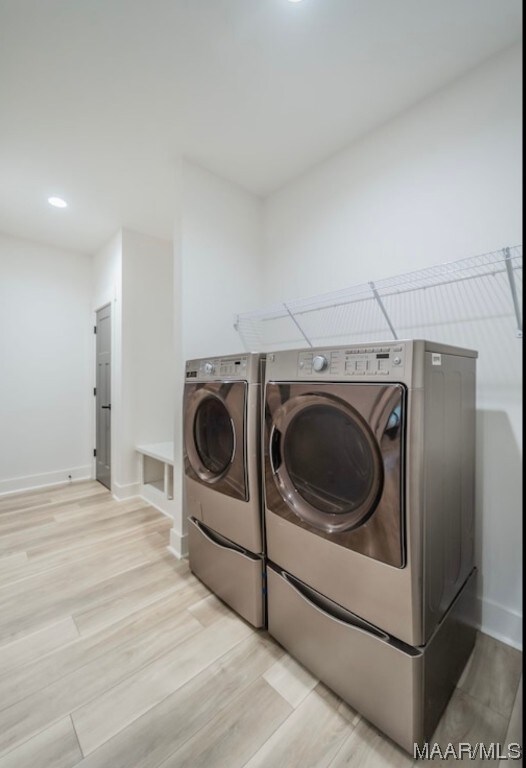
x: 397, y: 360
x: 319, y: 363
x: 209, y: 368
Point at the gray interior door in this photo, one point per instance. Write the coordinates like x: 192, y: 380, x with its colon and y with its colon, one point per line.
x: 103, y: 397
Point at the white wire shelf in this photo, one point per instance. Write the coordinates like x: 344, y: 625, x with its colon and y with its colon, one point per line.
x: 475, y: 302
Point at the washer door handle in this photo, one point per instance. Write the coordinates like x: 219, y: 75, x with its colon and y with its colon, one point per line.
x: 274, y: 449
x: 233, y: 427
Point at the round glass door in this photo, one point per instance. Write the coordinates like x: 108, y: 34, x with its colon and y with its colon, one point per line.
x: 213, y: 437
x: 331, y: 473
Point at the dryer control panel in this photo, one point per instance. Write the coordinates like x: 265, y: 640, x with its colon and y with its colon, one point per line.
x: 214, y: 368
x: 353, y: 362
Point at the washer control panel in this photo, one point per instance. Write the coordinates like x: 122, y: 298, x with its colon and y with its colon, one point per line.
x: 353, y: 362
x: 232, y: 366
x: 217, y: 368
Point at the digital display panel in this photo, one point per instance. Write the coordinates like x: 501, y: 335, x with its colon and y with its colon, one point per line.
x: 383, y: 356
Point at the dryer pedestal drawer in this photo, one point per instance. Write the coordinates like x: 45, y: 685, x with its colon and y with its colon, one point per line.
x: 388, y: 682
x: 235, y: 575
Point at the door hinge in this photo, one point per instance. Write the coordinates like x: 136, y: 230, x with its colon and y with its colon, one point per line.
x: 94, y: 329
x: 94, y: 451
x: 94, y: 391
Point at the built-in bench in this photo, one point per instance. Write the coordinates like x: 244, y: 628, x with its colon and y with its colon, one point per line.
x: 157, y: 475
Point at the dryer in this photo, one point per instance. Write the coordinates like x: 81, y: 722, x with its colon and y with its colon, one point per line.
x: 369, y: 510
x: 222, y: 416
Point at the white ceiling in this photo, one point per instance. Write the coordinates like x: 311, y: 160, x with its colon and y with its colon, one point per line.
x: 99, y: 98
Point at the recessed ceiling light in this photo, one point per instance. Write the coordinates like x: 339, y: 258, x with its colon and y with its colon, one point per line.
x: 294, y: 1
x: 57, y: 202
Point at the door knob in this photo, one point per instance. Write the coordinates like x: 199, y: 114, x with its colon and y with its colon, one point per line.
x: 106, y: 407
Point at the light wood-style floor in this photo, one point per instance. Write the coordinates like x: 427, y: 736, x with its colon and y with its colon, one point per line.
x: 112, y: 655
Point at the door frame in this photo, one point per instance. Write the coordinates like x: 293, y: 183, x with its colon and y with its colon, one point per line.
x: 381, y: 536
x: 334, y: 522
x: 112, y: 389
x: 236, y: 470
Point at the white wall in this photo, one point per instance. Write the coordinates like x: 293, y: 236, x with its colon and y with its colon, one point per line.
x: 45, y: 353
x: 148, y: 366
x: 217, y: 272
x: 439, y: 183
x: 134, y: 272
x: 221, y: 241
x: 107, y: 273
x: 499, y: 512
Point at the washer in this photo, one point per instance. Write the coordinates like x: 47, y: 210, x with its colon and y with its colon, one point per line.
x: 222, y: 416
x: 369, y: 509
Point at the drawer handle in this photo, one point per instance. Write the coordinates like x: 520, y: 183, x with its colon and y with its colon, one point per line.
x: 336, y: 613
x: 331, y: 610
x: 219, y: 541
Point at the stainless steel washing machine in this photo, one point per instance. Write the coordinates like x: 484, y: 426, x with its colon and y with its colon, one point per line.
x: 222, y: 416
x: 369, y: 509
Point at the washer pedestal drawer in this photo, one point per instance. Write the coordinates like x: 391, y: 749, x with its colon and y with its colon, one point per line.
x: 231, y: 572
x: 400, y: 689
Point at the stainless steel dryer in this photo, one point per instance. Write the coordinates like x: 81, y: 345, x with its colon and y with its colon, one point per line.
x: 222, y: 416
x: 369, y: 506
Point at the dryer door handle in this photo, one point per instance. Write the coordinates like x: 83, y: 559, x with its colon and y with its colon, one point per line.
x: 275, y: 449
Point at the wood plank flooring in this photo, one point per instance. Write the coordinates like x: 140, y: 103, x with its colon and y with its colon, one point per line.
x: 112, y: 655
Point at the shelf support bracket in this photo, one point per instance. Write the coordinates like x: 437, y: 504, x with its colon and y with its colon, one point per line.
x: 513, y: 289
x: 383, y: 309
x: 237, y: 328
x: 298, y: 326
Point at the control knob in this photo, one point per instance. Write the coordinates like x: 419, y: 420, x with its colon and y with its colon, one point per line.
x: 397, y: 360
x: 209, y: 368
x: 319, y: 363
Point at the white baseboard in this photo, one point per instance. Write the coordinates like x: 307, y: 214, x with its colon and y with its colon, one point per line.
x: 502, y: 623
x: 124, y: 492
x: 178, y: 544
x: 44, y: 479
